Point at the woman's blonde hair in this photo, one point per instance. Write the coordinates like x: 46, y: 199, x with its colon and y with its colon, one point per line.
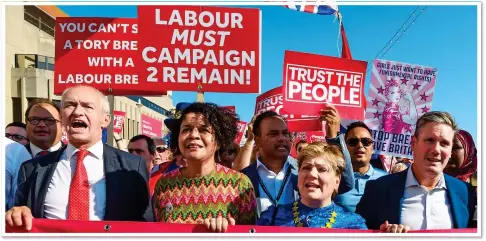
x: 329, y: 153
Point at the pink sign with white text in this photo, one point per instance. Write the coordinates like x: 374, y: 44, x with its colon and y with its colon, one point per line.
x: 118, y: 121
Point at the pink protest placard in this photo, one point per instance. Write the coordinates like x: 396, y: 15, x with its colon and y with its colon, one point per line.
x: 272, y: 100
x: 183, y: 48
x: 151, y: 126
x: 313, y: 136
x: 118, y: 121
x: 310, y: 81
x: 399, y: 93
x: 241, y: 126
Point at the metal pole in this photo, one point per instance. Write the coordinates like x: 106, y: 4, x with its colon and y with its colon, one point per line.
x: 200, y: 93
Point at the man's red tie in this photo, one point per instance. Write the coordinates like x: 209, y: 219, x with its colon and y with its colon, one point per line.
x: 78, y: 207
x: 42, y: 153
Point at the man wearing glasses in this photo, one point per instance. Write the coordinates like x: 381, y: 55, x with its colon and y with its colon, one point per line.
x: 16, y: 131
x: 360, y: 146
x: 44, y: 128
x: 162, y: 154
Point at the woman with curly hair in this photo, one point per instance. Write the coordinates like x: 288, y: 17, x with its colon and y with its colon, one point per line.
x: 204, y: 191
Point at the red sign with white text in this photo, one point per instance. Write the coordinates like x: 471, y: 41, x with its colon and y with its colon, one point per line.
x: 99, y: 52
x: 182, y: 47
x: 311, y: 80
x: 151, y: 126
x: 241, y: 127
x: 118, y: 121
x: 309, y: 137
x: 272, y: 100
x: 64, y: 138
x: 313, y: 136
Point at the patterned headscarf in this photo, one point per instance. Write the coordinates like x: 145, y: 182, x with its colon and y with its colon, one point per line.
x: 470, y: 164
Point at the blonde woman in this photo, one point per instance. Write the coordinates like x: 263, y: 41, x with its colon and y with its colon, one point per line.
x: 320, y: 168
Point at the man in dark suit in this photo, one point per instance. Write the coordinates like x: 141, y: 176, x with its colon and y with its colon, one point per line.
x: 106, y: 184
x: 268, y: 173
x: 422, y: 197
x: 44, y: 130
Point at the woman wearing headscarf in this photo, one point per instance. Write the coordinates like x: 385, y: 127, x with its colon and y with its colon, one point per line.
x: 463, y: 163
x: 204, y: 191
x: 320, y: 167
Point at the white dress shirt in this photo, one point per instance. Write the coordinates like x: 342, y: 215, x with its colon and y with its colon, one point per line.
x: 57, y: 198
x: 15, y: 155
x: 423, y: 209
x: 273, y: 183
x: 35, y: 149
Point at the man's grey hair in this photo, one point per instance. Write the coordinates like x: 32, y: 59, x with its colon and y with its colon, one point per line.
x: 105, y: 104
x: 441, y: 117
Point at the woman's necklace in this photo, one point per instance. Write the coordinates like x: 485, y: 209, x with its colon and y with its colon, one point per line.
x: 298, y: 221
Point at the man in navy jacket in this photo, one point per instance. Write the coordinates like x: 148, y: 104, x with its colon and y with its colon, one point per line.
x: 422, y: 197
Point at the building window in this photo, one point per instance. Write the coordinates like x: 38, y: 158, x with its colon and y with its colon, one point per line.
x: 40, y: 19
x: 27, y: 61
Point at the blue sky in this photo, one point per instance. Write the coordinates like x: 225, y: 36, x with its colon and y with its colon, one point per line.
x: 444, y: 37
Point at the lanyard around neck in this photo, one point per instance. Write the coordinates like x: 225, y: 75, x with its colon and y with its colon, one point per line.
x: 275, y: 201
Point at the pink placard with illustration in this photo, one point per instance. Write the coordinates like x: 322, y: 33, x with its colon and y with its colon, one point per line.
x: 399, y: 93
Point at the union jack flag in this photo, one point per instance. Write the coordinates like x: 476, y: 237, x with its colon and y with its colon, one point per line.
x: 317, y: 9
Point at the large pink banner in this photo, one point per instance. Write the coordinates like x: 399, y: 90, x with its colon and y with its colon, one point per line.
x: 63, y: 226
x: 399, y: 93
x: 151, y: 126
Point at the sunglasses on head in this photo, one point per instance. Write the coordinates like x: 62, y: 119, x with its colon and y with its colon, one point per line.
x: 355, y: 141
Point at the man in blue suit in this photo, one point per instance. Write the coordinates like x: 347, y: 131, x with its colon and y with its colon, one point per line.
x: 274, y: 174
x: 422, y: 197
x: 85, y: 180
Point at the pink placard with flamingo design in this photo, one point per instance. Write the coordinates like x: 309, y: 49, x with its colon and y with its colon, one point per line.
x: 399, y: 93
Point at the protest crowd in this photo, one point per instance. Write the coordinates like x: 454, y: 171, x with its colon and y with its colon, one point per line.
x: 203, y: 174
x: 202, y: 177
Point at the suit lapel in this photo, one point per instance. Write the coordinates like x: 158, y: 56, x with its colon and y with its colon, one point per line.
x: 458, y: 203
x: 44, y: 176
x: 396, y: 191
x: 110, y: 165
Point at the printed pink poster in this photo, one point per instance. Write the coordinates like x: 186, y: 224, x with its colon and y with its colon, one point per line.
x: 399, y: 93
x: 118, y: 121
x: 151, y: 126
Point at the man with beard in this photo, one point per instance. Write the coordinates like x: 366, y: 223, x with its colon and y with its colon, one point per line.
x: 274, y: 174
x: 85, y: 180
x: 360, y: 146
x: 44, y: 128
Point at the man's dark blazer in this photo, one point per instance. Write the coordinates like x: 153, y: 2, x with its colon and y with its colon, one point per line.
x: 347, y: 177
x: 381, y: 200
x: 127, y: 196
x: 30, y: 150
